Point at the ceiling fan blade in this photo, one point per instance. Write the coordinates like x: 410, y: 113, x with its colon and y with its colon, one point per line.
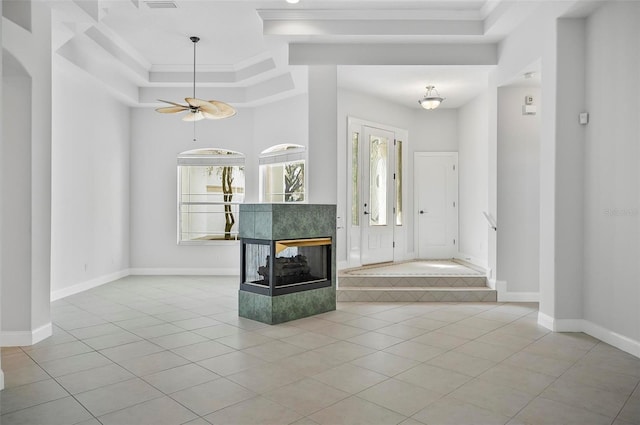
x: 193, y: 116
x: 173, y: 103
x: 225, y: 110
x: 172, y: 109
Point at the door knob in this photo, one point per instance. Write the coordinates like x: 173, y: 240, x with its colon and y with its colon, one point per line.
x: 365, y: 213
x: 421, y: 212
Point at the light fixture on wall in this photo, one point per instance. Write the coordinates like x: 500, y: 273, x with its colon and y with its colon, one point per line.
x: 431, y: 100
x: 198, y: 109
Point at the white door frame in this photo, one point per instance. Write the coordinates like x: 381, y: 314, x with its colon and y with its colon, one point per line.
x: 353, y: 232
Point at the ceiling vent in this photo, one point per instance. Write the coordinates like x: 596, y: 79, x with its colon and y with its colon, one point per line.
x: 161, y: 5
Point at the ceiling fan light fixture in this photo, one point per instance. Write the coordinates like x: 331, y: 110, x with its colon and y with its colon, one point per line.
x: 198, y: 109
x: 430, y: 100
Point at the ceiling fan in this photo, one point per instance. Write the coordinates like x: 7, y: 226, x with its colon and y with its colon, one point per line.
x: 198, y: 109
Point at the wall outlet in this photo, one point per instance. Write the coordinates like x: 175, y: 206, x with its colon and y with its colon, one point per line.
x: 528, y: 100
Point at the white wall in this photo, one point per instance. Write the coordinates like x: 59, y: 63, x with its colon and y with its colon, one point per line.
x: 90, y: 183
x: 156, y: 140
x: 612, y: 179
x: 518, y: 213
x: 473, y: 163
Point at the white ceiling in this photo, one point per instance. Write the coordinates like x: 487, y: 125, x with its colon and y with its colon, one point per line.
x: 243, y: 53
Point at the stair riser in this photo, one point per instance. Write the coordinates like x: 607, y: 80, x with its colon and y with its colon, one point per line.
x: 357, y: 295
x: 413, y: 281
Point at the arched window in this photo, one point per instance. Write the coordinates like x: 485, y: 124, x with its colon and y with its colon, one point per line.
x: 282, y: 174
x: 210, y: 187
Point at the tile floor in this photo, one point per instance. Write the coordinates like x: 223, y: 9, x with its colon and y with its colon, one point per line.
x: 171, y: 350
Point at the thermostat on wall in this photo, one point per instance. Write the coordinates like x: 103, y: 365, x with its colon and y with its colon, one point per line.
x: 584, y: 118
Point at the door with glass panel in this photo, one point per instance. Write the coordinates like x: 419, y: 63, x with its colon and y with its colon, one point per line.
x: 377, y: 202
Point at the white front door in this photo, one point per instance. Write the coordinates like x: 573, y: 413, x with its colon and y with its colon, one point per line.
x: 378, y: 196
x: 436, y: 203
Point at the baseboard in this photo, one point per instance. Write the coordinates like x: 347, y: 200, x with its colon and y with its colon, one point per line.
x: 1, y: 379
x: 185, y: 271
x: 475, y: 261
x: 25, y: 338
x: 621, y: 342
x: 515, y: 297
x: 89, y: 284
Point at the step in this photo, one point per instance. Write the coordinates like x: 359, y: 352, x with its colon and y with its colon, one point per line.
x: 353, y: 281
x: 415, y: 294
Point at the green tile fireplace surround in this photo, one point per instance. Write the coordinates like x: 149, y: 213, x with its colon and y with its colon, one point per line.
x: 266, y: 223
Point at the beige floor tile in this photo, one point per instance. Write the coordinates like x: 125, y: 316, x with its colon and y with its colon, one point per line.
x: 450, y: 411
x: 196, y: 323
x: 602, y: 378
x: 496, y: 353
x: 262, y: 379
x: 157, y: 330
x: 244, y: 340
x: 495, y: 397
x: 117, y: 396
x: 308, y: 363
x: 631, y: 411
x: 160, y: 411
x: 425, y: 323
x: 461, y: 363
x: 86, y: 380
x: 111, y: 340
x: 518, y: 378
x: 375, y: 340
x: 539, y: 363
x: 343, y: 351
x: 309, y: 323
x: 230, y: 363
x: 385, y: 363
x: 178, y: 340
x: 399, y: 396
x: 202, y: 350
x: 354, y: 410
x: 546, y: 412
x: 95, y: 331
x: 59, y: 351
x: 305, y: 421
x: 181, y: 377
x: 310, y: 340
x: 549, y: 348
x: 153, y: 363
x: 130, y: 351
x: 218, y: 331
x: 499, y: 338
x: 594, y: 399
x: 15, y: 358
x: 212, y: 396
x: 367, y: 323
x: 77, y: 363
x: 414, y: 351
x: 279, y: 331
x: 255, y: 411
x: 350, y: 378
x: 609, y: 358
x: 434, y: 378
x: 337, y: 316
x: 441, y: 340
x: 16, y: 398
x: 24, y: 375
x: 59, y: 412
x: 340, y: 331
x: 402, y: 331
x: 462, y: 331
x: 273, y: 351
x: 306, y: 396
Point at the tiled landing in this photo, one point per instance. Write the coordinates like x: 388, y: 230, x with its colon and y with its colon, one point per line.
x: 416, y: 281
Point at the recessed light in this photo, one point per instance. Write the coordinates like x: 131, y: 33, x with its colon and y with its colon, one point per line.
x: 293, y: 1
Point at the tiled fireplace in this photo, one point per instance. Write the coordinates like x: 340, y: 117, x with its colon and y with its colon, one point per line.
x: 287, y: 261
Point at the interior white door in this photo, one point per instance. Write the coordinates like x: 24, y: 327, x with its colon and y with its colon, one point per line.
x: 436, y: 202
x: 378, y: 196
